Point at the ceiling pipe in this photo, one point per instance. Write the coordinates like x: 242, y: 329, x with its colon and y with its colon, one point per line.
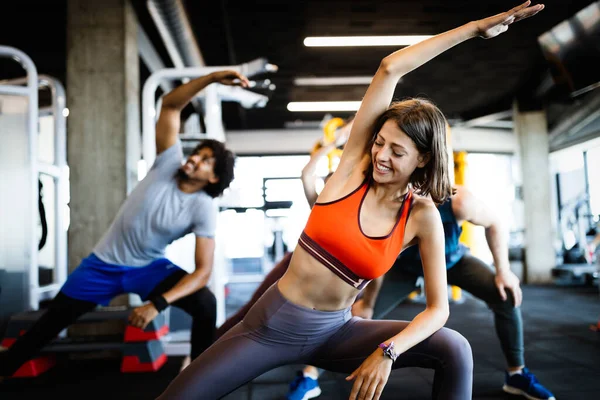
x: 173, y: 24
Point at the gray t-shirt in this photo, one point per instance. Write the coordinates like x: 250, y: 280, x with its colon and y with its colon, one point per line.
x: 155, y: 214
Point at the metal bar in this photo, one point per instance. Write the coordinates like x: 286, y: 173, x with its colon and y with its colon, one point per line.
x: 483, y: 121
x: 586, y: 89
x: 149, y: 111
x: 58, y: 170
x: 60, y: 160
x: 213, y: 114
x: 32, y: 84
x: 558, y: 199
x: 32, y: 121
x: 589, y: 216
x: 48, y: 288
x: 246, y: 98
x: 500, y: 124
x: 48, y: 295
x: 14, y: 90
x: 49, y: 169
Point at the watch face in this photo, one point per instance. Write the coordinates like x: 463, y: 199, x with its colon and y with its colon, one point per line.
x: 388, y: 350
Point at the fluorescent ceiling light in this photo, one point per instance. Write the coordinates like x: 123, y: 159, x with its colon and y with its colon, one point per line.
x: 299, y: 106
x: 334, y: 81
x: 333, y: 41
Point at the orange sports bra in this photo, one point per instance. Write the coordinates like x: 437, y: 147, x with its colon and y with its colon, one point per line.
x: 334, y: 237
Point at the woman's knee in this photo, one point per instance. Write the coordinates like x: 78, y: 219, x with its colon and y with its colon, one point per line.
x: 456, y: 349
x: 503, y: 306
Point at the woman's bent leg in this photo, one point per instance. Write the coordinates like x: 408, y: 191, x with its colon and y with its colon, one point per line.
x: 273, y: 333
x: 446, y: 351
x: 234, y: 360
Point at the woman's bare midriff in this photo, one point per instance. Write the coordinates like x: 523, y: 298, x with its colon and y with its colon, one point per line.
x: 310, y: 284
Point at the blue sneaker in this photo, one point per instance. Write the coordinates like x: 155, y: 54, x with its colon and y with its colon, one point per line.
x: 303, y: 388
x: 526, y: 384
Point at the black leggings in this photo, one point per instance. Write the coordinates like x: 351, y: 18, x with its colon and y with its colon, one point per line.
x: 64, y: 310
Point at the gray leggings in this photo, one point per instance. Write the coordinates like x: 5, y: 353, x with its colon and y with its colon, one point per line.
x: 276, y: 332
x: 477, y: 278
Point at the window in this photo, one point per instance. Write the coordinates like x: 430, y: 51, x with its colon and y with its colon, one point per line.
x: 248, y: 222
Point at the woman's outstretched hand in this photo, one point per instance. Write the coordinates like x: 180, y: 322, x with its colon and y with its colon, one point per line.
x: 493, y: 26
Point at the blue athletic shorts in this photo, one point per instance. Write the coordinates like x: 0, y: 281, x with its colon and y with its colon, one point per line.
x: 99, y: 282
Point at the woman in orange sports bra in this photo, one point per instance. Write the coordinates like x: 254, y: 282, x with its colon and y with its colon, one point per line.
x: 381, y: 199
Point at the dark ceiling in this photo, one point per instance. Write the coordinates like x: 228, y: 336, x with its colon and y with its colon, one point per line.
x: 475, y: 79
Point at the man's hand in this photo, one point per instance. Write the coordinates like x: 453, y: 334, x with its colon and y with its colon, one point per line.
x: 230, y: 78
x: 370, y: 378
x: 508, y: 280
x: 141, y: 316
x: 360, y: 309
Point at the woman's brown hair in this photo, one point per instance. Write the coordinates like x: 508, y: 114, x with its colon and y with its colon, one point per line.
x: 425, y: 124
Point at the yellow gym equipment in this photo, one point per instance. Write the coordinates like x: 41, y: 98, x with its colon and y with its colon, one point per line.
x: 328, y: 137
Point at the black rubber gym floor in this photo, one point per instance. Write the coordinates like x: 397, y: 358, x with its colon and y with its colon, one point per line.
x: 561, y: 350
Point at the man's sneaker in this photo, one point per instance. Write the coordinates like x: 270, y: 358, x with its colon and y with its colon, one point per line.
x: 303, y: 388
x: 526, y: 384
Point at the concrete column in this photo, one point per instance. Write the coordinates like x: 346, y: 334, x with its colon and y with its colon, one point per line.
x: 103, y: 125
x: 532, y: 135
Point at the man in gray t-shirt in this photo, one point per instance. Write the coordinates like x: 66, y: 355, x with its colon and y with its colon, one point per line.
x: 155, y: 214
x: 174, y: 199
